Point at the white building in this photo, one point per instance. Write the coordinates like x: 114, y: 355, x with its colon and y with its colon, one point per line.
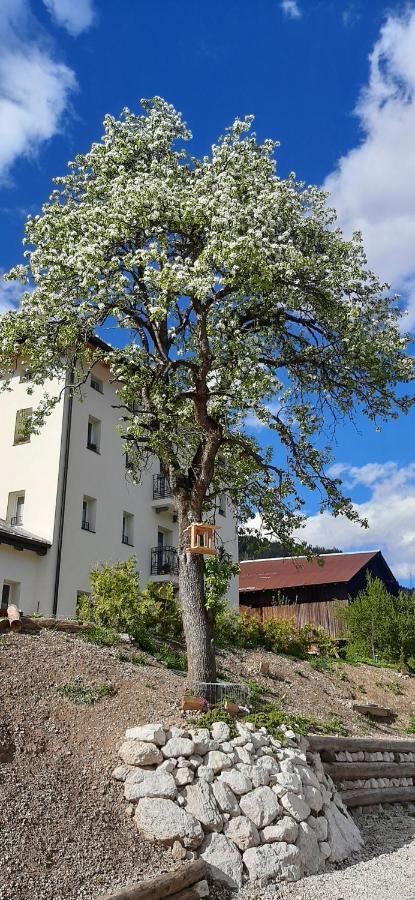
x: 67, y: 503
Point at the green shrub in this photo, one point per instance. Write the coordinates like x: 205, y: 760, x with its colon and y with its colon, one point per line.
x: 172, y: 659
x: 271, y: 717
x: 117, y: 602
x: 102, y: 637
x: 380, y: 627
x: 136, y: 659
x: 85, y: 694
x: 321, y: 663
x: 277, y: 635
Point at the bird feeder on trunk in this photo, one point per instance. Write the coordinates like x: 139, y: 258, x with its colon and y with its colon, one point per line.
x: 202, y: 538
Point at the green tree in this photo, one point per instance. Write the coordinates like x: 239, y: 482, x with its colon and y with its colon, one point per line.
x: 235, y: 295
x: 372, y: 621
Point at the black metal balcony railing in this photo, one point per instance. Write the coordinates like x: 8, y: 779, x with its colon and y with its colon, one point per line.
x: 126, y: 540
x: 161, y: 487
x: 85, y: 525
x: 16, y: 520
x: 164, y: 561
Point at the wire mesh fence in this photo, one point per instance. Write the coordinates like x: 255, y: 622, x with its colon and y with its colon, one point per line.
x: 216, y: 692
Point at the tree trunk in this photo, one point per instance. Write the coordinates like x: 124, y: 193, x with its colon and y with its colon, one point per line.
x: 197, y: 623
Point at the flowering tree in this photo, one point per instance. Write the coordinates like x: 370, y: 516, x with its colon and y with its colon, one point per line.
x: 236, y: 296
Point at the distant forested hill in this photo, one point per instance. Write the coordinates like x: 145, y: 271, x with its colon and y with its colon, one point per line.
x: 260, y: 548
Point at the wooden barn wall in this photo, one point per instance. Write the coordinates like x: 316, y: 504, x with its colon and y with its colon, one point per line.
x: 323, y: 613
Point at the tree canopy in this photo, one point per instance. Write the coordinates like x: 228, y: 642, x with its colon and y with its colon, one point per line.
x: 236, y: 296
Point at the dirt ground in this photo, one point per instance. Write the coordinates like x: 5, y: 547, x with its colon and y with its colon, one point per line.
x: 64, y: 830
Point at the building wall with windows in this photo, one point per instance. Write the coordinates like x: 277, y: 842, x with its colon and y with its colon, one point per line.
x: 101, y: 516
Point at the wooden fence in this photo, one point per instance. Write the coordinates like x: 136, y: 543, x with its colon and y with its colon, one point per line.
x: 361, y: 782
x: 324, y: 614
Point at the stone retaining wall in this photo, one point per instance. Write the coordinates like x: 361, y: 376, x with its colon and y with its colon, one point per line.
x: 254, y: 807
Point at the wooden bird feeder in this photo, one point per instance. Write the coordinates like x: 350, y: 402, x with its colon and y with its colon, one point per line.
x: 202, y: 538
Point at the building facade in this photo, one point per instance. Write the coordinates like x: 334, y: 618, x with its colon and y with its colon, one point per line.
x: 67, y: 502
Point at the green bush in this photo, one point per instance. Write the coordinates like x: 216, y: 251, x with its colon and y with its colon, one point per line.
x: 102, y: 637
x: 380, y: 627
x: 271, y: 717
x: 277, y: 635
x: 116, y: 601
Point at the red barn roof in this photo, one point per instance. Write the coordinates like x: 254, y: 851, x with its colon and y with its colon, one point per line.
x: 291, y: 572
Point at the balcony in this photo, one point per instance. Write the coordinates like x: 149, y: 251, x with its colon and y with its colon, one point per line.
x: 86, y: 526
x: 16, y: 520
x: 162, y: 498
x: 126, y: 540
x: 161, y: 487
x: 164, y: 561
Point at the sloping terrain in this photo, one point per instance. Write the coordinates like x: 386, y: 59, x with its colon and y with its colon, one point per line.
x: 64, y: 831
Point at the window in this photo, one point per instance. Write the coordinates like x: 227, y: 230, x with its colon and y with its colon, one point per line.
x: 97, y: 384
x: 127, y: 529
x: 22, y: 425
x: 15, y: 507
x: 222, y: 504
x: 94, y: 434
x: 88, y: 520
x: 5, y: 595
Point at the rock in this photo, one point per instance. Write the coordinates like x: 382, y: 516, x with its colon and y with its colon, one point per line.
x: 200, y: 801
x: 184, y: 776
x: 164, y: 821
x: 269, y: 764
x: 260, y: 805
x: 242, y: 832
x: 307, y: 844
x: 242, y: 755
x: 325, y: 849
x: 140, y: 753
x: 168, y: 765
x: 342, y: 834
x: 178, y: 851
x: 154, y: 734
x: 258, y: 739
x: 121, y: 773
x: 225, y: 798
x: 243, y: 731
x: 224, y: 859
x: 220, y: 731
x: 319, y: 825
x: 226, y: 747
x: 271, y: 861
x: 288, y: 781
x: 201, y: 740
x: 205, y: 773
x: 178, y: 746
x: 237, y: 781
x: 154, y: 784
x: 217, y: 760
x: 195, y: 761
x: 283, y: 830
x: 313, y: 797
x: 130, y: 810
x: 295, y: 806
x: 308, y: 776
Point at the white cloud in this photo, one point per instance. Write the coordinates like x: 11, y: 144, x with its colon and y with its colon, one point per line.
x: 291, y: 9
x: 10, y: 293
x: 373, y: 186
x: 74, y: 15
x: 389, y: 509
x: 34, y: 88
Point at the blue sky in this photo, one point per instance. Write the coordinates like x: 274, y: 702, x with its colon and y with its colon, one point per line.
x: 333, y: 81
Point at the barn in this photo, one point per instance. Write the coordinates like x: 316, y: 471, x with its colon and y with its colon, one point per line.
x: 307, y: 590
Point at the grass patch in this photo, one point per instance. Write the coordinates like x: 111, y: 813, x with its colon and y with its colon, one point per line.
x: 411, y: 727
x: 101, y: 637
x: 87, y: 695
x: 341, y: 675
x: 321, y: 664
x: 137, y: 659
x: 271, y: 717
x: 393, y: 686
x: 172, y: 659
